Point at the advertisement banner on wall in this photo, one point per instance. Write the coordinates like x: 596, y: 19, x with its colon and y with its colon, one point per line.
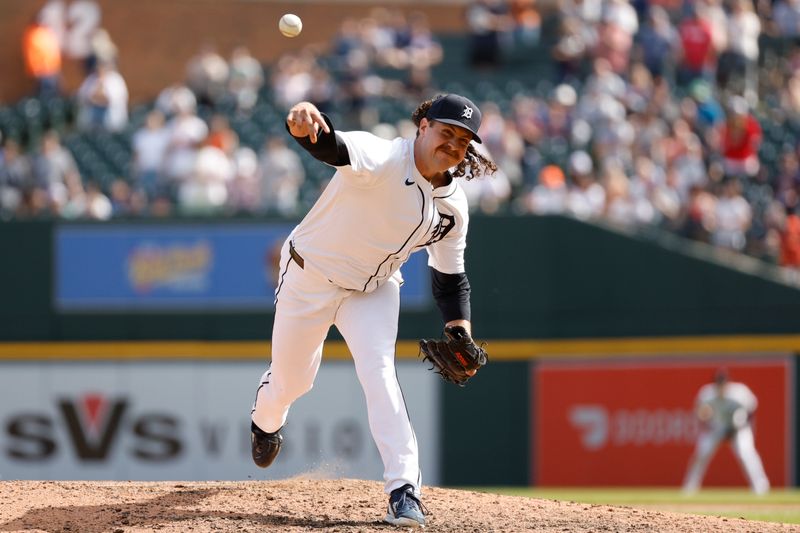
x: 189, y: 420
x: 190, y: 266
x: 632, y: 423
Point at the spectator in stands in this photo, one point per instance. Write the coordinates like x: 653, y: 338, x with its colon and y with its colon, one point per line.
x: 42, y: 54
x: 292, y: 78
x: 414, y: 46
x: 549, y: 196
x: 282, y: 175
x: 615, y: 34
x: 526, y: 20
x: 244, y: 190
x: 714, y: 13
x: 173, y: 98
x: 98, y: 206
x: 668, y: 202
x: 126, y: 201
x: 53, y: 168
x: 487, y: 194
x: 245, y: 79
x: 323, y: 89
x: 740, y: 139
x: 787, y: 188
x: 378, y: 36
x: 503, y: 142
x: 35, y: 202
x: 103, y: 100
x: 207, y: 75
x: 101, y: 50
x: 488, y: 23
x: 205, y: 189
x: 732, y: 217
x: 737, y: 69
x: 620, y: 207
x: 74, y: 204
x: 187, y: 132
x: 149, y: 145
x: 789, y: 94
x: 88, y: 202
x: 790, y: 240
x: 709, y: 112
x: 348, y: 40
x: 697, y: 57
x: 559, y: 113
x: 786, y: 14
x: 571, y: 48
x: 356, y: 88
x: 15, y: 175
x: 657, y: 42
x: 221, y: 135
x: 586, y: 198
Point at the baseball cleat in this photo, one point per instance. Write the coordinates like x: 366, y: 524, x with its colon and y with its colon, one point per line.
x: 405, y: 509
x: 264, y: 446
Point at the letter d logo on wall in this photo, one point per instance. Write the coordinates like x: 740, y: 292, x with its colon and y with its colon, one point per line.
x: 592, y: 422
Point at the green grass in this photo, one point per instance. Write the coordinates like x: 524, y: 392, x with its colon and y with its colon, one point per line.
x: 778, y: 506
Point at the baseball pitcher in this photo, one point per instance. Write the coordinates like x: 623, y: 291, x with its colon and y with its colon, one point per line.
x: 341, y: 266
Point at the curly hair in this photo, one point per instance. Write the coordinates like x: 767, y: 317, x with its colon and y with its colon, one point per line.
x: 474, y: 163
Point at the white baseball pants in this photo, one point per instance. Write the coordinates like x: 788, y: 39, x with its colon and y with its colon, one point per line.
x: 744, y: 448
x: 307, y: 305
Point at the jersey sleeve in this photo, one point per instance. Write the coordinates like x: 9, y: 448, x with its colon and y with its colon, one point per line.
x: 368, y: 154
x: 747, y: 398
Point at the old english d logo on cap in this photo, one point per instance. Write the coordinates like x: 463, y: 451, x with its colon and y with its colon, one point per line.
x: 458, y: 111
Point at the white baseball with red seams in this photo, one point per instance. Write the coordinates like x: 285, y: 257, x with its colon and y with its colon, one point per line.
x: 290, y: 25
x: 354, y: 283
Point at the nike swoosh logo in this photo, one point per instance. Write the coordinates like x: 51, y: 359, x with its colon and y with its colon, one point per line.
x: 409, y: 181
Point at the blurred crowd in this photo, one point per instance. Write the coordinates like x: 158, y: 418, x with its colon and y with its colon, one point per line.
x: 655, y: 113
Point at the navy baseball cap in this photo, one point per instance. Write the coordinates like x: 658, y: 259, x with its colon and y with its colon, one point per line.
x: 458, y: 111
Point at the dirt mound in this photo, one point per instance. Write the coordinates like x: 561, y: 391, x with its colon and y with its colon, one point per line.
x: 342, y: 505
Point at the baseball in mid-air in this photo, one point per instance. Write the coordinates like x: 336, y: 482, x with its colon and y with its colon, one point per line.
x: 290, y: 25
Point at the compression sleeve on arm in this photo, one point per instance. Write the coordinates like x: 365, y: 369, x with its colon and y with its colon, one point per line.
x: 329, y: 148
x: 451, y: 292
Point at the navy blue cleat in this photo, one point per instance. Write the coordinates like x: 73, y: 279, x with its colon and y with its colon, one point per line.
x: 264, y: 446
x: 405, y: 509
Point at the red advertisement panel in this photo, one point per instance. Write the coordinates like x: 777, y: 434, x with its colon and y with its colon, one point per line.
x: 626, y: 423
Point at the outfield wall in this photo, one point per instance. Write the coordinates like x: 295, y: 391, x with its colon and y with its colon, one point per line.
x: 178, y: 410
x: 546, y: 290
x: 166, y: 419
x: 532, y: 278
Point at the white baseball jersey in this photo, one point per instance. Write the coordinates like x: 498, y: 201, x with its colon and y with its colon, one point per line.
x: 382, y: 198
x: 734, y: 396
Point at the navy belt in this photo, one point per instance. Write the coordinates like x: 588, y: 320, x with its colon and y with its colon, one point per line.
x: 297, y: 257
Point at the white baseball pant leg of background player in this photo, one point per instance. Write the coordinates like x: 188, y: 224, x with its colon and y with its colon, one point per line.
x: 707, y: 443
x: 744, y: 447
x: 308, y: 305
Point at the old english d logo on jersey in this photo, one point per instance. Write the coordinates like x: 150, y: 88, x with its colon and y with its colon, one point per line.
x: 446, y: 223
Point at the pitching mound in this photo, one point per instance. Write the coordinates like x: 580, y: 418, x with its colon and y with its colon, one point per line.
x: 313, y: 505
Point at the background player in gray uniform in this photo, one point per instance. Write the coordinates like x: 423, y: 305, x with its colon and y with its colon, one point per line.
x: 340, y: 266
x: 725, y: 409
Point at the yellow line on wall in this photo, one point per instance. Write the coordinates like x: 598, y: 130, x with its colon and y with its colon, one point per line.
x: 499, y: 350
